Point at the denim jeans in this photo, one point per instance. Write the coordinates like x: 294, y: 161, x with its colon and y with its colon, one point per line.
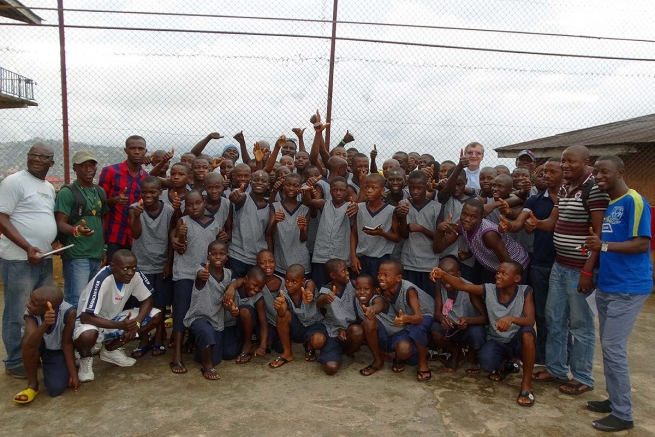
x: 539, y: 277
x: 20, y: 279
x: 77, y: 274
x: 567, y: 309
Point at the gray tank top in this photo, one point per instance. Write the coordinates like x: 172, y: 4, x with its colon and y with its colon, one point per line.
x: 498, y: 310
x: 166, y: 198
x: 220, y: 215
x: 333, y: 237
x: 324, y: 186
x: 400, y: 302
x: 341, y: 312
x: 54, y: 335
x: 269, y: 298
x: 151, y: 248
x: 207, y: 302
x: 462, y: 306
x: 308, y: 314
x: 417, y: 254
x: 198, y: 237
x: 248, y: 230
x: 454, y: 206
x: 288, y: 247
x: 374, y: 246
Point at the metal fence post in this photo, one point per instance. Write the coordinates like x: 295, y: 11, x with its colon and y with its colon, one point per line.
x: 333, y: 43
x: 64, y: 88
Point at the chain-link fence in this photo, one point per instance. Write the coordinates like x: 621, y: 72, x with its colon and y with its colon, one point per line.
x: 416, y: 76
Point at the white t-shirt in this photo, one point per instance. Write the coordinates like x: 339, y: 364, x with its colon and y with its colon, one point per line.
x: 473, y: 177
x: 30, y: 204
x: 102, y: 297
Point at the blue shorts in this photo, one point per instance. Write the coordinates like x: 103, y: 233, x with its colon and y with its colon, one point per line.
x: 421, y: 333
x: 474, y: 335
x: 332, y: 351
x: 300, y: 333
x: 493, y: 354
x: 207, y: 336
x: 182, y: 290
x: 232, y: 342
x: 400, y: 337
x: 162, y: 289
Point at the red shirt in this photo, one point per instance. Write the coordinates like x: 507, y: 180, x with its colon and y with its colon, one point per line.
x: 113, y: 179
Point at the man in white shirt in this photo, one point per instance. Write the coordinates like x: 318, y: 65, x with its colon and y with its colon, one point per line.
x: 28, y: 228
x: 475, y: 153
x: 103, y: 320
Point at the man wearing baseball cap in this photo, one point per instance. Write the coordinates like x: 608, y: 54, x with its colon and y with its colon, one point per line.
x: 526, y: 158
x: 79, y: 210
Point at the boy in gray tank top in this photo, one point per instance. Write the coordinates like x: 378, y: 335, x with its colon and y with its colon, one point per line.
x: 266, y: 260
x: 415, y: 309
x: 375, y: 229
x: 337, y: 297
x: 298, y: 317
x: 49, y: 325
x: 216, y: 205
x: 460, y: 319
x: 510, y: 333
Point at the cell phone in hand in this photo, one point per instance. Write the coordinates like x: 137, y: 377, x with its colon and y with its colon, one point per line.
x: 372, y: 228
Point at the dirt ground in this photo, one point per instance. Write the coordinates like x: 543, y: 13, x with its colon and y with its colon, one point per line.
x: 298, y: 399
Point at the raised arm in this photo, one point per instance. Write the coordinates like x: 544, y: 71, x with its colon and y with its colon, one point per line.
x: 245, y: 157
x: 198, y: 148
x: 456, y: 282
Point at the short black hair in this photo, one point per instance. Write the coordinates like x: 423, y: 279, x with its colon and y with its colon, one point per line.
x: 367, y: 277
x: 134, y: 137
x: 430, y: 157
x: 376, y: 178
x: 397, y: 266
x: 418, y: 175
x: 296, y: 269
x: 256, y: 272
x: 332, y: 265
x: 618, y: 162
x: 517, y: 266
x: 353, y: 149
x: 338, y: 179
x: 360, y: 155
x: 295, y: 176
x: 152, y: 180
x: 216, y: 243
x: 475, y: 203
x: 183, y: 165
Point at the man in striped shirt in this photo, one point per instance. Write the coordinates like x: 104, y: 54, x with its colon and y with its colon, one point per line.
x: 580, y: 205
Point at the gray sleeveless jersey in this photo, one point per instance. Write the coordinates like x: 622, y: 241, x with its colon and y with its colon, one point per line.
x: 324, y: 185
x: 374, y: 246
x: 248, y: 227
x: 308, y: 314
x: 400, y: 302
x: 341, y: 312
x: 54, y: 335
x: 497, y: 311
x: 151, y: 248
x: 333, y: 237
x: 221, y: 214
x: 269, y: 298
x: 417, y: 254
x: 207, y: 302
x: 454, y: 206
x: 462, y: 306
x: 198, y: 237
x: 288, y: 247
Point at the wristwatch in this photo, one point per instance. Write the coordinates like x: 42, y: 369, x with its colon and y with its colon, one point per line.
x: 603, y: 246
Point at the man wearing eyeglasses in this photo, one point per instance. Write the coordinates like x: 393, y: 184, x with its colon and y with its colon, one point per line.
x: 475, y: 153
x: 28, y: 227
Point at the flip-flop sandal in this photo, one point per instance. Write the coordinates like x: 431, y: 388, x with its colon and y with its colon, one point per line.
x: 512, y: 367
x: 168, y: 323
x: 423, y: 375
x: 310, y: 356
x: 576, y: 390
x: 497, y: 376
x: 210, y: 372
x: 242, y: 355
x: 30, y: 393
x: 554, y: 379
x: 171, y: 343
x: 397, y: 366
x: 366, y: 371
x: 140, y: 351
x: 158, y: 350
x: 278, y: 362
x: 179, y: 365
x: 525, y: 395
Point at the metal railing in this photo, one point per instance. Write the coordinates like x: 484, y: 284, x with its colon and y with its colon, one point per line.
x: 14, y: 84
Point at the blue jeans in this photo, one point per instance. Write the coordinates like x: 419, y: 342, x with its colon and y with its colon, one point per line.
x: 77, y: 274
x: 567, y: 309
x: 617, y: 314
x: 539, y: 277
x: 20, y: 279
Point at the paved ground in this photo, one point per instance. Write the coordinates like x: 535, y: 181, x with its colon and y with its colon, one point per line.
x: 298, y: 399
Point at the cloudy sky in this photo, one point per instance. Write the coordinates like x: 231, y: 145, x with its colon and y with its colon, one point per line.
x: 173, y: 88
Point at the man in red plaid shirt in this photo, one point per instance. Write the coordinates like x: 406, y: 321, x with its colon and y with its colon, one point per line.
x: 122, y: 183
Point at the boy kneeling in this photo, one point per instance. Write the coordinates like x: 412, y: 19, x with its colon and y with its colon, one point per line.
x: 510, y: 333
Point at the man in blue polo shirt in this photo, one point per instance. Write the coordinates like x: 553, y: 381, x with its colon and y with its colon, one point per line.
x: 625, y: 280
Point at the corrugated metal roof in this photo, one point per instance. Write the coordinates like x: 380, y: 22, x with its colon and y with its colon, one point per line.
x: 637, y: 131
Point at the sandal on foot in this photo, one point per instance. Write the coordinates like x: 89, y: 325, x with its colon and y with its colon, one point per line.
x: 210, y: 374
x: 171, y: 344
x: 29, y: 393
x: 473, y: 371
x: 278, y: 362
x: 158, y: 350
x: 574, y: 388
x: 423, y: 375
x: 368, y: 370
x: 525, y: 395
x: 497, y: 376
x: 310, y: 356
x: 512, y: 367
x: 178, y: 365
x: 140, y: 351
x: 397, y: 366
x: 241, y: 359
x: 537, y: 377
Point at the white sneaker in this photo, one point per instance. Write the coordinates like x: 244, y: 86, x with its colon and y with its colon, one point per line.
x: 95, y: 350
x: 77, y: 358
x: 117, y: 357
x: 85, y: 374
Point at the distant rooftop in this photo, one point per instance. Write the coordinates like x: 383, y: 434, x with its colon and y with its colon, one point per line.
x: 639, y: 131
x: 15, y: 10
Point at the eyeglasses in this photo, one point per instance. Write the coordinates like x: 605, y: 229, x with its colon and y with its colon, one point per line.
x: 42, y: 158
x: 474, y: 153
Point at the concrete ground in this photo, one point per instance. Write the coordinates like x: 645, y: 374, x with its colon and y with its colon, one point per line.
x: 298, y: 399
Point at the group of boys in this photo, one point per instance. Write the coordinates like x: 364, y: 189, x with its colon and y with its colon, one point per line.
x: 321, y: 248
